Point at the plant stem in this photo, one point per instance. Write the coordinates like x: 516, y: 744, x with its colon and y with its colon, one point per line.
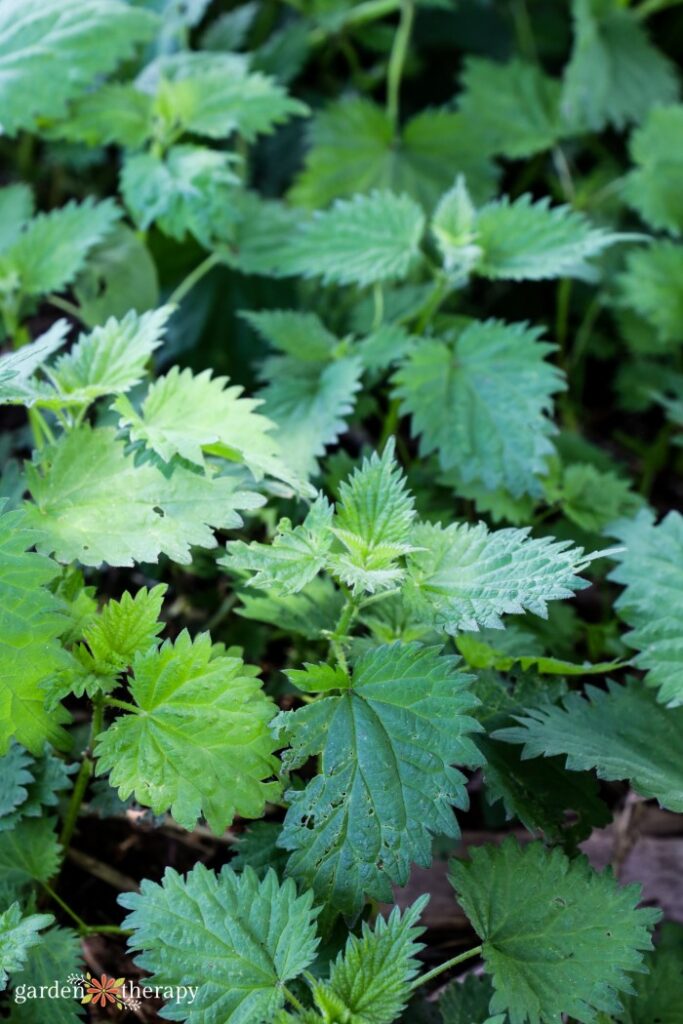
x: 83, y: 777
x: 430, y: 975
x: 112, y: 702
x: 82, y: 926
x: 397, y: 60
x: 67, y: 307
x: 649, y: 7
x: 361, y: 14
x: 188, y: 283
x: 434, y: 300
x: 291, y: 998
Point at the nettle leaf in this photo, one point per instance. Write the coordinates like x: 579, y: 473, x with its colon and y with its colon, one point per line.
x: 302, y: 335
x: 465, y: 577
x: 30, y: 785
x: 526, y: 240
x: 257, y: 848
x: 353, y: 148
x: 310, y: 402
x: 651, y: 568
x: 652, y: 188
x: 14, y: 779
x: 16, y: 210
x: 111, y: 359
x: 17, y: 385
x: 557, y: 937
x: 373, y: 522
x: 120, y: 276
x: 200, y: 742
x: 75, y: 517
x: 57, y: 956
x: 17, y: 934
x: 615, y: 75
x: 371, y: 979
x: 387, y: 781
x: 513, y: 107
x: 30, y: 621
x: 295, y: 556
x: 622, y: 734
x: 51, y: 50
x: 482, y: 399
x: 466, y: 1001
x: 188, y: 190
x: 111, y: 641
x: 358, y: 241
x: 29, y: 853
x: 591, y: 498
x: 658, y: 995
x: 53, y: 247
x: 237, y: 938
x: 115, y: 113
x: 187, y: 415
x: 305, y: 613
x: 651, y: 285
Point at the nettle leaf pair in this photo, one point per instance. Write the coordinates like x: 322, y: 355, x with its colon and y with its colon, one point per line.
x: 199, y: 447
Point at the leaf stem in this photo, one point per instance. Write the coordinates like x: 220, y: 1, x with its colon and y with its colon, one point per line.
x: 83, y: 777
x: 397, y: 60
x: 649, y: 7
x: 193, y: 278
x: 453, y: 962
x: 66, y: 307
x: 433, y: 302
x: 113, y: 702
x: 82, y: 926
x: 291, y: 998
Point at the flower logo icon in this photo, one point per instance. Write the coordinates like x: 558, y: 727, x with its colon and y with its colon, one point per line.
x: 103, y: 990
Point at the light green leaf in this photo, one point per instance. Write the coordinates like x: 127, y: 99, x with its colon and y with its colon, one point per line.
x: 372, y: 978
x: 17, y: 935
x: 75, y: 518
x: 301, y: 335
x: 51, y: 50
x: 306, y: 613
x: 120, y: 276
x: 615, y: 75
x: 622, y: 734
x: 16, y: 210
x: 358, y: 241
x: 114, y: 113
x: 294, y: 558
x: 109, y: 360
x: 387, y: 781
x: 54, y: 246
x: 533, y: 241
x: 354, y: 149
x: 513, y: 108
x: 373, y: 522
x: 14, y: 779
x: 653, y: 187
x: 482, y: 399
x: 651, y: 569
x: 557, y: 937
x: 652, y: 285
x: 17, y: 386
x: 238, y: 939
x: 466, y: 577
x: 199, y: 743
x: 29, y: 853
x: 590, y: 498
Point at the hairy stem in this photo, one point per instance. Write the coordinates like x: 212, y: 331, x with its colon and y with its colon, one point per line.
x: 113, y: 702
x: 193, y: 278
x: 83, y: 777
x: 397, y: 60
x: 292, y: 999
x: 453, y: 962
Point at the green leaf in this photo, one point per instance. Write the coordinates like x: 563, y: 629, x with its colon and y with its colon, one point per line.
x: 372, y: 978
x: 615, y: 75
x: 622, y: 734
x: 651, y: 569
x: 466, y: 1001
x: 17, y: 386
x: 592, y: 499
x: 358, y: 241
x: 533, y: 241
x: 14, y: 779
x: 75, y: 518
x: 257, y: 848
x: 513, y: 108
x: 54, y: 246
x: 652, y: 188
x: 310, y: 403
x: 301, y: 335
x: 651, y: 285
x: 293, y: 559
x: 658, y: 995
x: 200, y: 742
x: 17, y: 935
x: 482, y: 399
x: 187, y: 415
x: 111, y: 359
x: 373, y: 522
x: 186, y: 191
x: 29, y: 853
x: 387, y: 783
x: 466, y: 577
x: 557, y: 937
x: 115, y: 113
x: 16, y: 210
x: 306, y: 613
x: 353, y: 148
x: 120, y: 276
x: 26, y: 791
x: 237, y: 938
x: 57, y: 956
x: 30, y: 621
x: 51, y: 50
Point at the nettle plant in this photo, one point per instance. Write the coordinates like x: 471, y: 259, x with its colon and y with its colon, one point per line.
x: 383, y: 526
